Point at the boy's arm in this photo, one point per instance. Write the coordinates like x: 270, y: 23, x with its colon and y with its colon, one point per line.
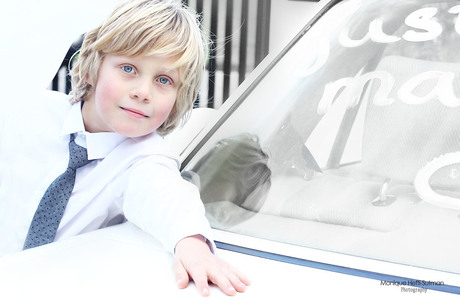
x: 194, y: 260
x: 163, y: 204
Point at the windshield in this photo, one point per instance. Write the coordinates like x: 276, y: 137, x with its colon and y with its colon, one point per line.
x: 350, y: 143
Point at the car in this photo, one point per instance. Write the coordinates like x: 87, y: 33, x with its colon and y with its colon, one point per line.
x: 330, y: 175
x: 346, y: 142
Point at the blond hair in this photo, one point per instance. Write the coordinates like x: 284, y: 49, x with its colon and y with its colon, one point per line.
x: 143, y: 28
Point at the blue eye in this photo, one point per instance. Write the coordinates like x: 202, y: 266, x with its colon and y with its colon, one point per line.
x: 128, y: 69
x: 164, y: 80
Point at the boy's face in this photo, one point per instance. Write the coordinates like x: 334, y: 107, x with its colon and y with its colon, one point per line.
x: 133, y: 96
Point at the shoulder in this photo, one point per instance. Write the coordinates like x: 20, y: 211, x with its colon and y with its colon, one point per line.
x: 155, y: 144
x: 153, y: 150
x: 55, y: 98
x: 56, y: 103
x: 44, y: 113
x: 54, y: 107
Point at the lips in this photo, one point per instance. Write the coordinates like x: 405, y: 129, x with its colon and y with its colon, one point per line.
x: 134, y: 113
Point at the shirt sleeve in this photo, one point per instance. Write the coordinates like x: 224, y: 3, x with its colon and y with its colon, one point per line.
x: 163, y: 204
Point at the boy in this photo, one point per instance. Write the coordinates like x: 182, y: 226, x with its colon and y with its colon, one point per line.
x: 135, y: 79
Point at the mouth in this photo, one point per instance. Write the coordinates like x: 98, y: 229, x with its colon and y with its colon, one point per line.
x: 134, y: 113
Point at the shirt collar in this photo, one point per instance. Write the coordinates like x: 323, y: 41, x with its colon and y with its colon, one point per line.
x: 99, y: 144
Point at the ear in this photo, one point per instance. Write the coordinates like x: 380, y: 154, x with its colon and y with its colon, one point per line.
x: 88, y: 80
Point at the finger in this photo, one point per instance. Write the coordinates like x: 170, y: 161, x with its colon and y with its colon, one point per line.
x: 201, y: 282
x: 241, y: 278
x: 180, y: 274
x: 222, y: 280
x: 237, y: 283
x: 238, y: 280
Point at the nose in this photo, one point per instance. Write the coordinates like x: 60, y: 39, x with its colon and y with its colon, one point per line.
x: 142, y: 91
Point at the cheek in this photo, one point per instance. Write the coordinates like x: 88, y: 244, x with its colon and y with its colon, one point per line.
x: 166, y: 109
x: 106, y: 95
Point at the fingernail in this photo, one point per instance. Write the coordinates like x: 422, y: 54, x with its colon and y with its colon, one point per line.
x: 232, y: 290
x: 205, y: 291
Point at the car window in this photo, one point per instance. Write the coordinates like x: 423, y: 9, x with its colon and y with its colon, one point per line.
x: 350, y: 141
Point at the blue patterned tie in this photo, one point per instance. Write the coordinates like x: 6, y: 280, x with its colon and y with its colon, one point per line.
x: 52, y: 205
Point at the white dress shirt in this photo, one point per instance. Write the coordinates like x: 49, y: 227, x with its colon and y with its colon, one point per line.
x: 132, y: 178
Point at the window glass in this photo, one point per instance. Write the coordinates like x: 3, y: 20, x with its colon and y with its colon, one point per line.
x: 351, y: 142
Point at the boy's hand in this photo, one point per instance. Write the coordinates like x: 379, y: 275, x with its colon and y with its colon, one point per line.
x: 193, y: 260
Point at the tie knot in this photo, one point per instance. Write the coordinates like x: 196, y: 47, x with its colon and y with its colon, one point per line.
x: 78, y: 156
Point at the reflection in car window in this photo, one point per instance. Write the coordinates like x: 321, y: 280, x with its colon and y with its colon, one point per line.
x: 351, y: 142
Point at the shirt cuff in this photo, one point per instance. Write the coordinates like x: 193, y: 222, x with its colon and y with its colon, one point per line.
x: 210, y: 243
